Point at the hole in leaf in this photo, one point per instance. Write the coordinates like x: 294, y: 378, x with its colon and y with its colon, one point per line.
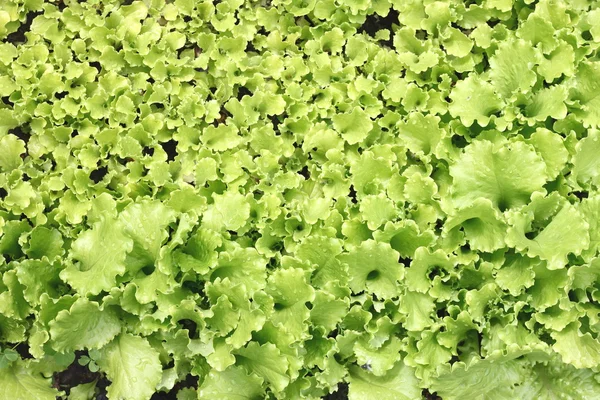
x: 435, y: 271
x: 421, y: 34
x: 427, y: 395
x: 375, y: 22
x: 459, y: 141
x: 20, y: 133
x: 581, y: 194
x: 305, y: 173
x: 98, y: 174
x: 404, y: 261
x: 341, y: 393
x: 7, y: 101
x: 19, y: 35
x: 170, y: 148
x: 278, y: 306
x: 502, y: 205
x: 371, y: 276
x: 190, y: 325
x: 194, y: 286
x: 352, y: 194
x: 148, y: 151
x: 243, y: 91
x: 272, y: 263
x: 277, y: 246
x: 531, y: 235
x: 148, y: 270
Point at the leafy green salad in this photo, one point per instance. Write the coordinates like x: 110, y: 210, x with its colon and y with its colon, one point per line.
x: 299, y: 199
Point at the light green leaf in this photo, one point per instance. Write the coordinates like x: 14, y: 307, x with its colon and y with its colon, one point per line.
x: 232, y: 384
x: 481, y: 380
x: 145, y: 222
x: 483, y: 226
x: 374, y: 266
x: 83, y: 326
x: 420, y: 133
x: 133, y: 367
x: 101, y: 254
x: 511, y: 67
x: 507, y: 175
x: 585, y: 93
x: 353, y: 126
x: 579, y: 349
x: 12, y: 148
x: 566, y: 233
x: 399, y: 383
x: 474, y: 99
x: 267, y: 362
x: 586, y: 163
x: 20, y: 382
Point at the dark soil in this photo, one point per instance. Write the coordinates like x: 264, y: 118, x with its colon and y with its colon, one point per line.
x: 77, y: 374
x: 340, y: 394
x: 430, y: 396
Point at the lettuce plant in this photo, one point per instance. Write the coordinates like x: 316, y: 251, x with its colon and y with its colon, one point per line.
x: 287, y: 199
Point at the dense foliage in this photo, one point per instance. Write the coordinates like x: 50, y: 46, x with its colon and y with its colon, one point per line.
x: 284, y: 198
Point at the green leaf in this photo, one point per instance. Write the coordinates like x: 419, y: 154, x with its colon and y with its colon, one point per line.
x: 230, y: 211
x: 232, y: 384
x: 101, y: 254
x: 483, y: 226
x: 265, y: 361
x: 44, y: 242
x: 84, y: 391
x: 83, y: 326
x: 516, y: 274
x: 539, y: 32
x: 511, y: 67
x: 13, y: 147
x: 20, y: 382
x: 377, y: 210
x: 290, y: 293
x: 552, y: 149
x: 354, y: 126
x: 321, y: 252
x: 481, y: 379
x: 374, y: 266
x: 221, y: 138
x: 133, y: 367
x: 148, y: 234
x: 557, y: 379
x: 421, y: 133
x: 586, y: 84
x: 38, y: 277
x: 586, y: 165
x: 548, y: 102
x: 474, y: 100
x: 507, y: 175
x: 399, y: 383
x: 566, y: 233
x: 417, y: 309
x: 579, y: 349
